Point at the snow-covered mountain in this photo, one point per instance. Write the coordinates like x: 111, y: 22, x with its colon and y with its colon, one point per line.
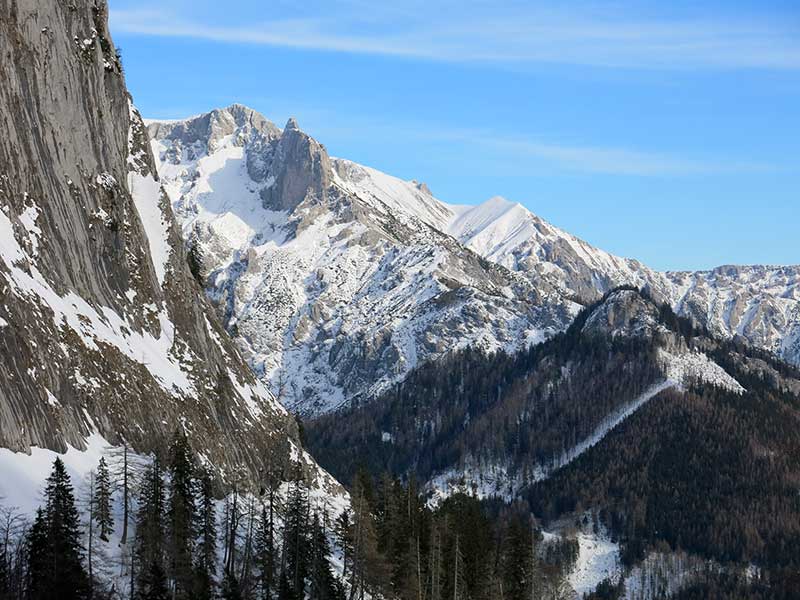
x: 103, y: 330
x: 759, y: 303
x: 336, y: 279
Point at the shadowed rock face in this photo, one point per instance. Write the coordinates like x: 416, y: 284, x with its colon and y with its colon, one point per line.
x: 303, y: 170
x: 101, y: 324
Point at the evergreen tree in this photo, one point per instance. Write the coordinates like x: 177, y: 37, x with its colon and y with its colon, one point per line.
x: 181, y: 516
x: 322, y: 584
x: 37, y: 557
x: 153, y: 583
x: 265, y: 551
x: 149, y: 546
x: 517, y: 577
x: 343, y: 530
x: 230, y: 587
x: 295, y: 541
x: 54, y: 550
x: 206, y: 555
x: 103, y: 500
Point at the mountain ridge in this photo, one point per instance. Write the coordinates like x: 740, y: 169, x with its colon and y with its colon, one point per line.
x: 537, y: 265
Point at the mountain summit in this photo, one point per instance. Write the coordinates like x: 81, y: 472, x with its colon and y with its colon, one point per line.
x: 337, y: 279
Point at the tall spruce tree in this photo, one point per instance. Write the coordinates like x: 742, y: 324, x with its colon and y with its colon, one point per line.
x: 102, y: 500
x: 517, y: 576
x: 181, y: 517
x: 149, y: 543
x: 230, y: 586
x: 153, y: 583
x: 55, y: 568
x: 206, y: 552
x: 265, y: 551
x: 322, y: 584
x: 295, y: 541
x: 38, y: 558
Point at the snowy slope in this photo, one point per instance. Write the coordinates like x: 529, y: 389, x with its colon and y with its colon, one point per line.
x: 341, y: 286
x: 337, y: 279
x: 759, y: 303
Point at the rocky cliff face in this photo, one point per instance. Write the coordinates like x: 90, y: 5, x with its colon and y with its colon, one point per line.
x: 102, y: 326
x: 337, y: 280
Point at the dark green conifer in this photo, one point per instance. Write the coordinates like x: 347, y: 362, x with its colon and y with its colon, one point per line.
x: 103, y: 501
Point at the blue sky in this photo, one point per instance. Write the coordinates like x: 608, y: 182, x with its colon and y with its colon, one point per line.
x: 665, y: 131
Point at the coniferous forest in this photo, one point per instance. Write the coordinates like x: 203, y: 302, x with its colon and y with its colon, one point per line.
x: 157, y: 531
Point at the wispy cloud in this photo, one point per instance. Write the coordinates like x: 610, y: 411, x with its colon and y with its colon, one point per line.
x: 521, y: 151
x: 525, y: 155
x: 476, y: 33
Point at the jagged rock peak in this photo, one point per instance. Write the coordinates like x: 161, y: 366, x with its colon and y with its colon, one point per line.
x: 291, y: 124
x: 624, y: 313
x: 210, y: 128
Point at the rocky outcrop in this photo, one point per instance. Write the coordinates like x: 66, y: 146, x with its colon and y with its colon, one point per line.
x: 102, y: 326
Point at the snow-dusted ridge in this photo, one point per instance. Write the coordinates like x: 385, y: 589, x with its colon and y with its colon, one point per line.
x: 339, y: 279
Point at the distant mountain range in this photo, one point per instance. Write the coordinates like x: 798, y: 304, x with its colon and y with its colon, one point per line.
x: 337, y: 280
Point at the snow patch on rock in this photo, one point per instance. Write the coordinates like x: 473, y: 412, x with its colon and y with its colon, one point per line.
x: 689, y: 367
x: 146, y: 193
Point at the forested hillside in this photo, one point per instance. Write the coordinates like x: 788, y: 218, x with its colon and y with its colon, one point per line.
x: 708, y: 464
x: 520, y: 411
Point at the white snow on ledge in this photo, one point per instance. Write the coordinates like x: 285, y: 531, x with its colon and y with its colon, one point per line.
x: 697, y: 366
x: 24, y: 475
x: 96, y: 325
x: 146, y: 194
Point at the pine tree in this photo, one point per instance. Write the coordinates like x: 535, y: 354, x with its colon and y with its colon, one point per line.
x: 38, y: 557
x: 322, y: 584
x: 343, y: 530
x: 181, y: 516
x: 103, y: 500
x: 265, y: 551
x: 206, y: 554
x: 149, y: 545
x: 54, y: 550
x: 295, y: 541
x: 517, y: 560
x: 153, y: 583
x: 230, y: 587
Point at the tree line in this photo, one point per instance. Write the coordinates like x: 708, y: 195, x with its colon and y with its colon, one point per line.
x: 167, y: 537
x: 182, y: 542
